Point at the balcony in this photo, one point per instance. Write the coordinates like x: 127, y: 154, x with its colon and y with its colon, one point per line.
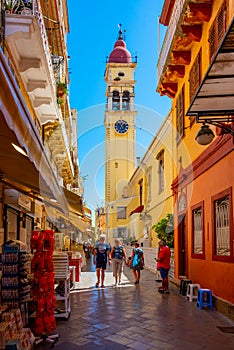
x: 185, y: 20
x: 171, y: 30
x: 55, y: 139
x: 26, y: 39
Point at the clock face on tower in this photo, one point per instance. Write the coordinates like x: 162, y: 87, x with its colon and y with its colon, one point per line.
x: 121, y: 126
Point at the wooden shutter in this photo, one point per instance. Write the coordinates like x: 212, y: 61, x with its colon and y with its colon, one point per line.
x: 217, y: 30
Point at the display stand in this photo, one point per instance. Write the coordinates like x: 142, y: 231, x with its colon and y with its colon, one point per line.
x: 62, y: 284
x: 42, y: 244
x: 15, y: 283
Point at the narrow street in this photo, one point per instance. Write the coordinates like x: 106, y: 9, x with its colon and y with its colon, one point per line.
x: 137, y: 317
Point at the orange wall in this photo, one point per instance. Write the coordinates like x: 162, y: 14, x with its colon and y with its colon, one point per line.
x: 215, y: 275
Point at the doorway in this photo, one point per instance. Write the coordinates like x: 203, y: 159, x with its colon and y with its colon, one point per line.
x: 182, y: 246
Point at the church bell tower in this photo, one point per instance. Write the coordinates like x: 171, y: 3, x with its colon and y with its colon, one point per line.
x: 120, y: 116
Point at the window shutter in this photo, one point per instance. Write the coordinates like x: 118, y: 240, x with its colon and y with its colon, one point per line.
x: 180, y: 115
x: 217, y: 30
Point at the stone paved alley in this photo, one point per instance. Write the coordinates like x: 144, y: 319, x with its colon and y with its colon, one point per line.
x: 138, y: 317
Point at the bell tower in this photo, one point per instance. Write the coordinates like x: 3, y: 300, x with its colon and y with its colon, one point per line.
x: 119, y: 124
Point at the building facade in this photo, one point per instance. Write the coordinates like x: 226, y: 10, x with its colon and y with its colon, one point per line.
x: 119, y: 124
x: 151, y: 187
x: 38, y: 163
x: 195, y: 69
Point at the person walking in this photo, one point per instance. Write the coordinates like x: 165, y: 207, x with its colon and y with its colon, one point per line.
x: 137, y: 262
x: 118, y: 256
x: 101, y: 256
x: 163, y: 260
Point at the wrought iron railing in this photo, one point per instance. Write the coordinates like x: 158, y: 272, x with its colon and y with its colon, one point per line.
x: 19, y: 7
x: 133, y: 58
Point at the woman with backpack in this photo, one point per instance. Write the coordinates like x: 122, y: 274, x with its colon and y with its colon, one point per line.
x: 137, y: 262
x: 118, y: 256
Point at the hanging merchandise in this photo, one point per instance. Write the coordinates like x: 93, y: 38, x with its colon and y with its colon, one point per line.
x: 15, y: 277
x: 42, y: 244
x: 15, y: 295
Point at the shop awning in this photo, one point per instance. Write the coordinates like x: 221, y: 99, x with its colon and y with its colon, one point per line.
x: 32, y: 172
x: 75, y: 203
x: 138, y: 209
x: 215, y: 96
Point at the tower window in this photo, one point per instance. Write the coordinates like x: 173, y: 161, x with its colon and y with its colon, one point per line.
x: 115, y: 100
x: 126, y: 100
x: 121, y: 74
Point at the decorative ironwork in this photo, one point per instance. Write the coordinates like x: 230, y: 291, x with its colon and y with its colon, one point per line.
x: 19, y: 7
x: 198, y: 231
x: 222, y: 226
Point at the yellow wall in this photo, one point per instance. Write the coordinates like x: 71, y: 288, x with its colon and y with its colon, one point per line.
x: 157, y: 204
x: 189, y: 149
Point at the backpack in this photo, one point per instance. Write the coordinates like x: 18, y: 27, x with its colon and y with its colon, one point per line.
x: 137, y: 260
x: 118, y: 252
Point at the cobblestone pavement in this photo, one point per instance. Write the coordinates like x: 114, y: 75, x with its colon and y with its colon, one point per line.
x: 137, y: 317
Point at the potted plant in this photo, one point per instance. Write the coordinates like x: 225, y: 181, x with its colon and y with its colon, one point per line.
x: 165, y: 230
x: 59, y: 101
x: 61, y: 89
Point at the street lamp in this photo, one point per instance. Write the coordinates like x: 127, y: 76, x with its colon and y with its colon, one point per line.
x: 224, y: 125
x: 205, y: 135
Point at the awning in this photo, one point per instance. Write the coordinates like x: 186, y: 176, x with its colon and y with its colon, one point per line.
x: 75, y: 203
x: 138, y: 209
x: 33, y: 172
x: 215, y: 96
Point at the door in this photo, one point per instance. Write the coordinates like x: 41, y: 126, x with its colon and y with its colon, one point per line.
x: 182, y: 246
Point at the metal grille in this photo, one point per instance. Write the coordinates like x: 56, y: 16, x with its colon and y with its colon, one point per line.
x: 198, y: 231
x: 222, y: 226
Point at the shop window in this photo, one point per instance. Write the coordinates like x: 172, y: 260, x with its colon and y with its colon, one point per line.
x: 180, y: 116
x: 217, y: 30
x: 222, y: 227
x: 11, y: 223
x: 160, y: 158
x: 198, y: 242
x: 28, y: 225
x: 115, y: 101
x: 126, y: 101
x: 121, y: 212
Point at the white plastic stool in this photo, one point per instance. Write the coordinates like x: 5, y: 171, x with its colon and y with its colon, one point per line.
x: 192, y: 287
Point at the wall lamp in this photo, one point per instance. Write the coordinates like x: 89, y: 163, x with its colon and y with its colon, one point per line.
x: 224, y: 125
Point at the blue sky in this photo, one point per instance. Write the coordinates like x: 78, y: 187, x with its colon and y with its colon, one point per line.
x: 93, y: 32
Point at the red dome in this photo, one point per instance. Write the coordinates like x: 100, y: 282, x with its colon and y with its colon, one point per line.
x: 120, y: 54
x: 120, y: 42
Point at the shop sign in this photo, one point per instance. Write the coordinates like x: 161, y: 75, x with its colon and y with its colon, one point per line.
x: 24, y: 201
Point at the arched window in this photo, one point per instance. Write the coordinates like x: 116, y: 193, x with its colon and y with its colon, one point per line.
x: 126, y: 100
x: 115, y: 100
